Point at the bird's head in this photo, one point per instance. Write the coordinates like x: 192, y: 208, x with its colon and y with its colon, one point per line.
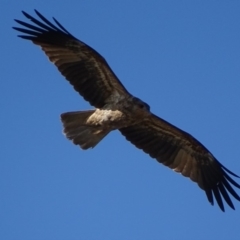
x: 140, y: 106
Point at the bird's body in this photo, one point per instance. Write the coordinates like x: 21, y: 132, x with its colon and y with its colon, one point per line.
x: 87, y: 128
x: 116, y: 116
x: 117, y: 109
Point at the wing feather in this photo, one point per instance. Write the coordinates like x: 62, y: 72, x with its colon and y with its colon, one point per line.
x: 186, y: 171
x: 82, y: 66
x: 168, y: 158
x: 181, y: 152
x: 182, y: 162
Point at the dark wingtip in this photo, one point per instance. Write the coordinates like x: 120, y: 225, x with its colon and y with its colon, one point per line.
x: 227, y: 170
x: 38, y: 13
x: 26, y: 15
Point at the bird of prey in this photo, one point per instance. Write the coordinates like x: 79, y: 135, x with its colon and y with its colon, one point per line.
x: 116, y: 109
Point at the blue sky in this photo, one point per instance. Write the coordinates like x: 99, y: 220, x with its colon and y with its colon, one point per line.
x: 182, y: 58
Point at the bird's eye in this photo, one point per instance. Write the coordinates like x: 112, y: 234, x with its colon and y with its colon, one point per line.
x: 141, y: 106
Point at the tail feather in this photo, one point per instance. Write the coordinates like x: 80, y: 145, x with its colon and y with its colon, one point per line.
x: 77, y: 130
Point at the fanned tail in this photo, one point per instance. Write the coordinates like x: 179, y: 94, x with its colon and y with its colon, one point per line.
x: 77, y: 130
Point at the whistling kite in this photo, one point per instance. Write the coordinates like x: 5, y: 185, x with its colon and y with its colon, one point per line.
x: 116, y: 108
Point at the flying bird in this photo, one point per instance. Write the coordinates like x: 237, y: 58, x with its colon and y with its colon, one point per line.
x: 116, y: 109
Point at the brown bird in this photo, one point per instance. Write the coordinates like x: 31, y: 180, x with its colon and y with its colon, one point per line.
x: 116, y: 108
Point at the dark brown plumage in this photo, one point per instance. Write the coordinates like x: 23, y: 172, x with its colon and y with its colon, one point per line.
x: 116, y: 108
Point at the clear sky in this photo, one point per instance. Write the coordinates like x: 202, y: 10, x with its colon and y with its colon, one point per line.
x: 182, y: 58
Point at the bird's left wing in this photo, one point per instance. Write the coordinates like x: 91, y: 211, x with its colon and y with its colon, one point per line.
x: 183, y: 153
x: 81, y: 65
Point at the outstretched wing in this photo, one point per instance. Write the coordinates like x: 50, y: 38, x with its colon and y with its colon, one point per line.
x: 82, y: 66
x: 181, y: 152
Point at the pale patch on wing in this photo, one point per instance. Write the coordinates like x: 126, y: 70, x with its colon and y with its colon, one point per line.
x: 116, y: 97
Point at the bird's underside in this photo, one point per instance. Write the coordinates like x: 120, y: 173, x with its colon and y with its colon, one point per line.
x: 88, y: 128
x: 90, y: 75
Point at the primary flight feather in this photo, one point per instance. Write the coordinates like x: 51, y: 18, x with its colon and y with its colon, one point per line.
x: 90, y: 75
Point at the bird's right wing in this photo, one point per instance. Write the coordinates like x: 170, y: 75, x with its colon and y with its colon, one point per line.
x: 181, y: 152
x: 82, y: 66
